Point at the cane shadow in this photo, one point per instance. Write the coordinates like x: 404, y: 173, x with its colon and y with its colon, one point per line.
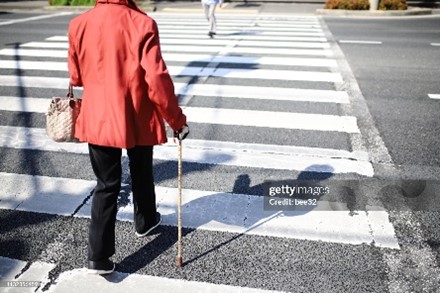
x: 259, y: 214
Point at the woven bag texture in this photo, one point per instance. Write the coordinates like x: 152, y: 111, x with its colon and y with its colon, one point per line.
x: 61, y: 117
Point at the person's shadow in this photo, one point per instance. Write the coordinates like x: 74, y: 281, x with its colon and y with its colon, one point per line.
x: 211, y: 210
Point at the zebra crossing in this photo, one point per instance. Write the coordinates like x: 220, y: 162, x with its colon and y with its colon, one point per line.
x: 263, y: 102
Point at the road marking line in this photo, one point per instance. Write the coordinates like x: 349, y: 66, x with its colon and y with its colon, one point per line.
x: 256, y: 73
x: 34, y: 53
x: 286, y: 61
x: 244, y: 28
x: 226, y: 32
x: 283, y: 120
x: 435, y: 44
x: 18, y: 271
x: 197, y: 71
x: 33, y: 65
x: 224, y: 41
x: 215, y: 152
x: 34, y: 18
x: 242, y: 23
x: 227, y: 91
x: 210, y: 49
x: 435, y: 97
x: 129, y: 282
x: 60, y: 196
x: 34, y: 81
x: 223, y: 37
x: 49, y: 195
x: 360, y: 42
x: 246, y: 43
x: 264, y: 93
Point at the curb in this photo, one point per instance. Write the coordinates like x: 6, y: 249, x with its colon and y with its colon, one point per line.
x: 342, y: 12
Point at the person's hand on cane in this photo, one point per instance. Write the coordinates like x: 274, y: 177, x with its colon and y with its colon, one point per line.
x: 182, y: 133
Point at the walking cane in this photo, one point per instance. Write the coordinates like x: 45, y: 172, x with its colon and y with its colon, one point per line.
x: 180, y: 136
x: 179, y: 205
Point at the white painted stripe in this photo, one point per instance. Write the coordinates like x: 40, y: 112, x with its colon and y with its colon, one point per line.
x: 37, y: 272
x: 266, y: 93
x: 435, y: 97
x: 360, y: 42
x: 224, y: 37
x: 275, y: 74
x: 245, y: 43
x: 244, y: 27
x: 212, y: 152
x: 286, y: 61
x: 256, y: 148
x: 28, y: 104
x: 324, y: 224
x: 166, y: 41
x: 210, y: 49
x: 222, y: 31
x: 79, y: 280
x: 43, y: 194
x: 246, y: 92
x: 197, y: 71
x: 241, y: 23
x: 58, y: 45
x: 34, y: 53
x: 34, y: 81
x: 314, y: 62
x: 249, y: 50
x: 256, y: 73
x: 34, y: 18
x: 284, y: 120
x: 38, y: 140
x: 33, y: 65
x: 435, y: 44
x: 23, y: 104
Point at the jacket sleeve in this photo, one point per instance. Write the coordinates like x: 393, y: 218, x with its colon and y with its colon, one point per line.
x: 160, y: 84
x: 72, y: 62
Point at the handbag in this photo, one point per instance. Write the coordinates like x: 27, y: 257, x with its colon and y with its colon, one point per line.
x: 61, y: 117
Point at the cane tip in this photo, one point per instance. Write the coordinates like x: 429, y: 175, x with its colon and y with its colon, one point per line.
x: 179, y: 262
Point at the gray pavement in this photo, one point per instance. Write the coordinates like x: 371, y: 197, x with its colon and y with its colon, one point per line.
x: 74, y: 280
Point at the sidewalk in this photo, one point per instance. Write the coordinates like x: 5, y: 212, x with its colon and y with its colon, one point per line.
x: 229, y: 8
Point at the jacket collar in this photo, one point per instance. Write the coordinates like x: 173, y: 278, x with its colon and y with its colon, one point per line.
x: 130, y: 3
x: 124, y: 2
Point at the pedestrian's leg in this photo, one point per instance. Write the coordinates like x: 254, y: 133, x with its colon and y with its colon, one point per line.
x: 206, y: 11
x: 212, y: 19
x: 106, y: 164
x: 142, y: 182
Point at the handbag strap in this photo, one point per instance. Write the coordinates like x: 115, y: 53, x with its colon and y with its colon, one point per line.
x: 70, y: 91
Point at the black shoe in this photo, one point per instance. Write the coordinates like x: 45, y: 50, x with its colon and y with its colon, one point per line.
x: 158, y: 221
x: 211, y: 34
x: 103, y: 267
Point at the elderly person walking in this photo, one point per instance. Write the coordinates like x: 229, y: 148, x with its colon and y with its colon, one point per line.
x: 114, y: 54
x: 209, y: 7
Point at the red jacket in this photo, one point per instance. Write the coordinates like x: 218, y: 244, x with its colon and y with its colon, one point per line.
x: 114, y: 54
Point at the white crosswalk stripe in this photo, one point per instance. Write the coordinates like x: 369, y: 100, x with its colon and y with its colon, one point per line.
x: 263, y: 51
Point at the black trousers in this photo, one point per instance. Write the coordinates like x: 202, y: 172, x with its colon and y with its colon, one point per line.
x: 106, y: 164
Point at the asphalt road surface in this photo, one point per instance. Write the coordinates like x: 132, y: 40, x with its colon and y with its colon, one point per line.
x: 274, y: 102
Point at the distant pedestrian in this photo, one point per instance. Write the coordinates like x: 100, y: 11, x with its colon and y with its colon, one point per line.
x: 209, y: 7
x: 114, y: 54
